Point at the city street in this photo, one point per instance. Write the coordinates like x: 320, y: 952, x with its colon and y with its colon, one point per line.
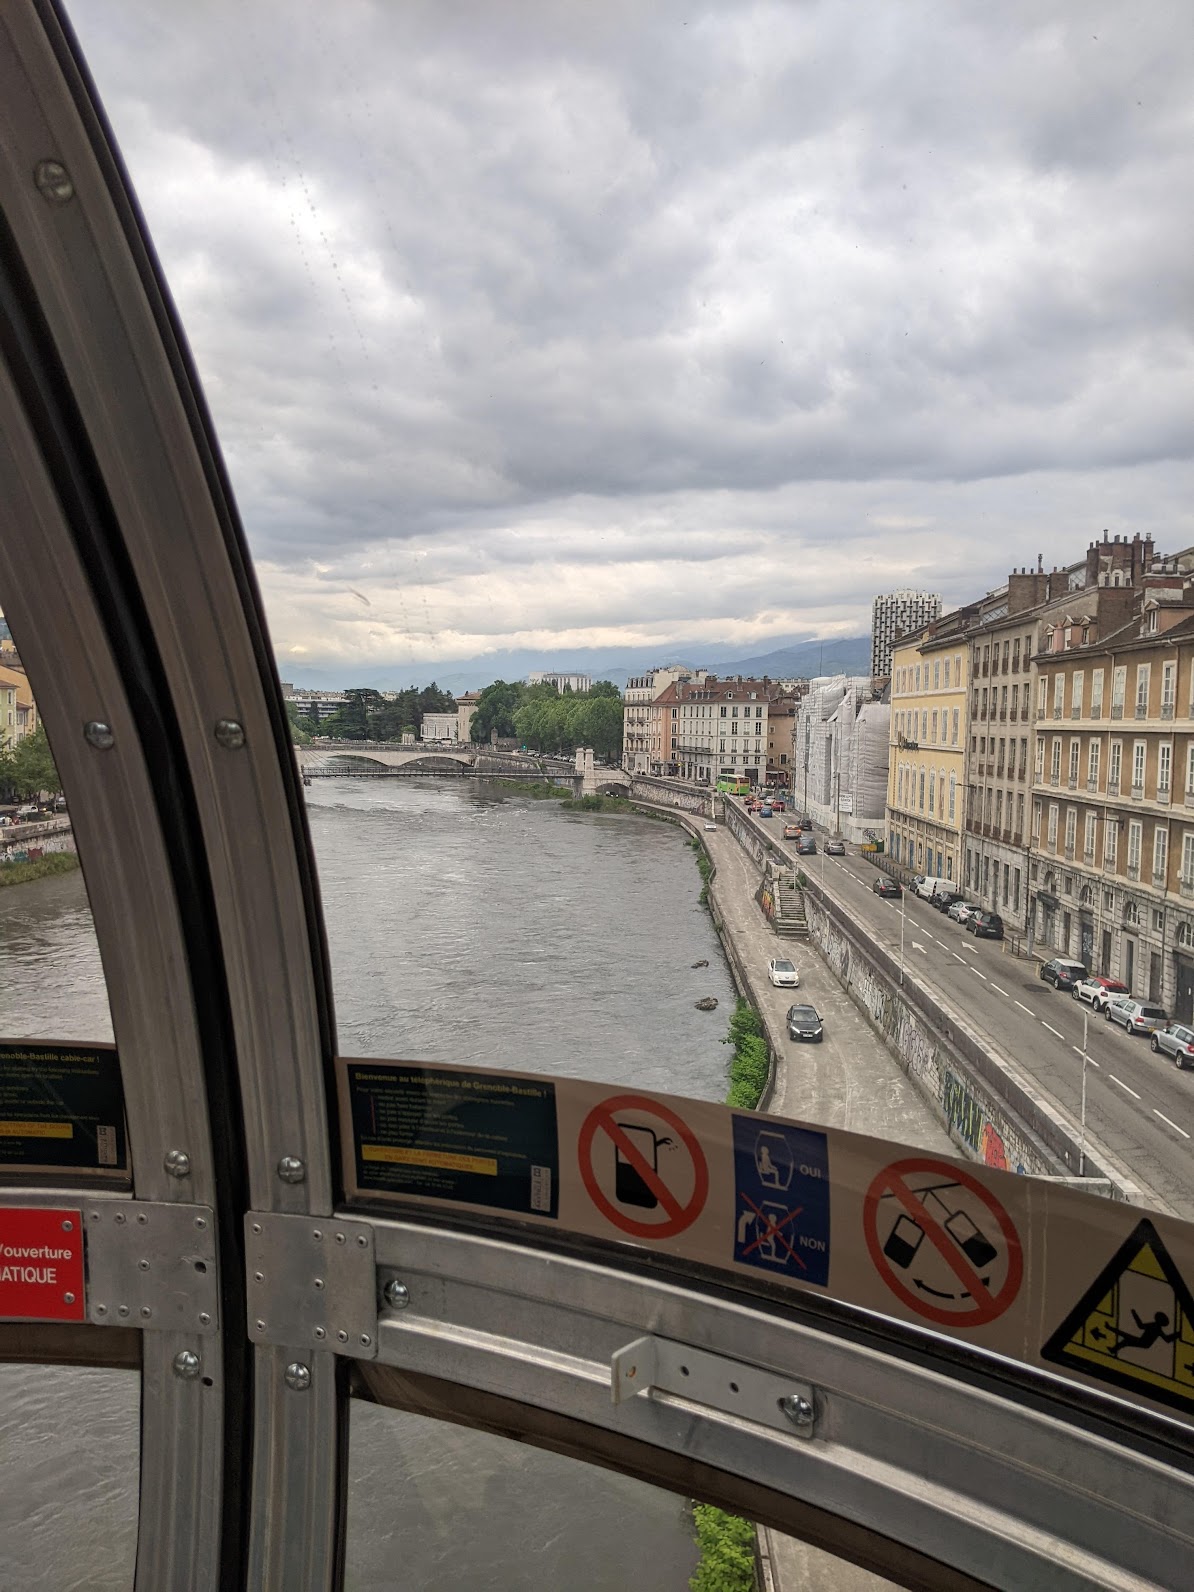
x: 1139, y: 1106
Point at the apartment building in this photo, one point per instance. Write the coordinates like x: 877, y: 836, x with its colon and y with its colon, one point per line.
x: 927, y: 757
x: 716, y: 729
x: 577, y: 684
x: 1112, y: 870
x: 896, y: 614
x: 18, y: 710
x: 642, y: 723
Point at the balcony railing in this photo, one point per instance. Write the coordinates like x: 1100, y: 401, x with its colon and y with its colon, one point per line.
x: 1117, y: 710
x: 1163, y: 795
x: 1137, y: 793
x: 1088, y: 857
x: 1040, y: 713
x: 1076, y: 711
x: 1166, y: 710
x: 1069, y: 853
x: 1055, y: 780
x: 1092, y: 784
x: 1186, y: 887
x: 1072, y: 782
x: 1096, y: 712
x: 1141, y: 710
x: 1113, y: 787
x: 1056, y: 712
x: 1133, y: 871
x: 1158, y: 879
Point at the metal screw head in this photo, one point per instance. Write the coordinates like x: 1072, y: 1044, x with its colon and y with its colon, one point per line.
x: 204, y: 1319
x: 122, y: 1310
x: 98, y: 734
x: 68, y: 1298
x: 366, y: 1340
x: 143, y: 1265
x: 187, y: 1364
x: 798, y: 1410
x: 53, y: 181
x: 397, y: 1294
x: 177, y: 1163
x: 146, y: 1311
x: 291, y: 1169
x: 230, y: 734
x: 321, y: 1333
x: 298, y: 1376
x: 68, y: 1227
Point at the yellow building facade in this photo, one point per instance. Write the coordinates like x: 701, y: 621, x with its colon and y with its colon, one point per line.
x: 926, y: 779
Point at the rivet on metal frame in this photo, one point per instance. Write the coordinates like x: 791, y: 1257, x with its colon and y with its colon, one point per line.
x: 396, y: 1294
x: 230, y: 734
x: 177, y: 1163
x: 291, y: 1169
x: 298, y: 1376
x: 98, y: 734
x: 798, y: 1410
x: 53, y: 181
x: 187, y: 1365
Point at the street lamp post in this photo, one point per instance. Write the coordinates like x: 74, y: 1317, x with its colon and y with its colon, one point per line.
x: 1082, y: 1128
x: 903, y: 899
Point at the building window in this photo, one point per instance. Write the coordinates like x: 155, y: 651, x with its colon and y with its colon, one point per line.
x: 1052, y: 826
x: 1160, y: 853
x: 1096, y: 693
x: 932, y: 790
x: 1042, y: 695
x: 1071, y: 830
x: 953, y: 739
x: 1168, y: 689
x: 1092, y: 764
x: 1143, y: 671
x: 1055, y: 762
x: 1119, y: 685
x: 934, y: 735
x: 1113, y: 767
x: 1076, y: 690
x: 1088, y: 844
x: 1058, y: 694
x: 921, y: 803
x: 1110, y: 842
x: 953, y: 791
x: 947, y: 674
x: 1188, y: 856
x: 937, y: 675
x: 1138, y: 751
x: 1036, y: 823
x: 1164, y: 767
x: 1135, y: 839
x: 1040, y: 759
x: 1075, y: 754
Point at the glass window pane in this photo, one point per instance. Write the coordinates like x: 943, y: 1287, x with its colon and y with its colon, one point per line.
x: 70, y: 1443
x: 439, y: 1507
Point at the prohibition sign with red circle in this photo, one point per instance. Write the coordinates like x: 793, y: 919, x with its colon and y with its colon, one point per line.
x: 986, y: 1306
x: 601, y: 1120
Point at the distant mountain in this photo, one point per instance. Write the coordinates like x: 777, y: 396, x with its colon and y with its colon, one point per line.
x: 795, y: 656
x: 806, y: 660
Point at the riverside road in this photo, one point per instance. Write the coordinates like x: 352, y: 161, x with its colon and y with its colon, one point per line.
x: 1138, y: 1104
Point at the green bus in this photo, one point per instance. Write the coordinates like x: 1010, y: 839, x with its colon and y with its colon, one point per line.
x: 734, y: 787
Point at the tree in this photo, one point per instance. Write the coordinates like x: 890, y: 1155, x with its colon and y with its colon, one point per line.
x: 605, y: 688
x: 496, y: 707
x: 27, y: 768
x: 351, y: 723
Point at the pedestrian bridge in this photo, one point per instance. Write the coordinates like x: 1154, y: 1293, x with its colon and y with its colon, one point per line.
x: 326, y: 760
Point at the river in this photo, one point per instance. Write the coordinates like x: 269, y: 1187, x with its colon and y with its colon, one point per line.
x: 464, y: 924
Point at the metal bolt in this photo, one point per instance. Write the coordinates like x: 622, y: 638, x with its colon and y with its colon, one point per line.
x: 291, y: 1169
x: 320, y: 1333
x: 362, y: 1241
x: 187, y: 1365
x: 53, y: 181
x: 257, y: 1227
x: 342, y: 1335
x: 366, y: 1340
x: 68, y: 1227
x: 317, y: 1234
x: 120, y: 1217
x: 204, y: 1319
x: 201, y: 1222
x: 69, y: 1298
x: 258, y: 1276
x: 101, y: 1310
x: 146, y: 1312
x: 230, y: 734
x: 798, y: 1410
x: 142, y: 1218
x: 261, y: 1326
x: 339, y: 1238
x: 177, y: 1163
x: 319, y: 1282
x: 122, y: 1310
x: 397, y: 1294
x: 98, y: 734
x: 298, y: 1376
x: 142, y: 1265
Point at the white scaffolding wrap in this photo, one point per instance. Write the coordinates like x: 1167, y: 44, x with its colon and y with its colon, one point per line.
x: 841, y: 743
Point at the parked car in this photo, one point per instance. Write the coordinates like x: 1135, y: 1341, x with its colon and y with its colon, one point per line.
x: 944, y: 899
x: 887, y: 887
x: 985, y: 925
x: 804, y: 1022
x: 806, y: 846
x: 1177, y: 1041
x: 1063, y: 973
x: 835, y: 848
x: 791, y: 831
x: 1136, y: 1017
x: 1096, y: 990
x: 26, y: 811
x: 781, y: 972
x: 710, y: 825
x: 929, y: 885
x: 961, y: 911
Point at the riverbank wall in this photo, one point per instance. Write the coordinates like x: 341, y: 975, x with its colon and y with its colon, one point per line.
x: 21, y: 843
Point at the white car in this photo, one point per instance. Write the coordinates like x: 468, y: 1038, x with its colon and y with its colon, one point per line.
x: 783, y: 973
x: 1098, y: 991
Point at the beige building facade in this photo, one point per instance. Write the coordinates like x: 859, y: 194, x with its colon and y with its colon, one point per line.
x: 927, y: 759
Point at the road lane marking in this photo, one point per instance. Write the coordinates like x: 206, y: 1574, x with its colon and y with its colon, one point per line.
x: 1173, y: 1125
x: 1087, y: 1054
x: 1051, y: 1028
x: 999, y: 991
x: 1123, y: 1086
x: 958, y: 958
x: 983, y: 976
x: 1024, y: 1008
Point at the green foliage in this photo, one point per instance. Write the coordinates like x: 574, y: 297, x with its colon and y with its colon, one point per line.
x: 562, y: 723
x: 53, y: 862
x: 368, y: 716
x: 597, y: 804
x: 748, y: 1065
x: 27, y: 768
x: 604, y: 688
x: 727, y: 1545
x: 496, y: 707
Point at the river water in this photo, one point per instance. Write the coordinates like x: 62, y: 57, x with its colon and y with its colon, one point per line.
x: 464, y: 924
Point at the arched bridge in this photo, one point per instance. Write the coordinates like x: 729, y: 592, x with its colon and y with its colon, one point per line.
x: 338, y: 759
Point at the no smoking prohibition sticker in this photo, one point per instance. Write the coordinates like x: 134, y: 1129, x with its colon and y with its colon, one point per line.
x: 636, y: 1155
x: 942, y: 1242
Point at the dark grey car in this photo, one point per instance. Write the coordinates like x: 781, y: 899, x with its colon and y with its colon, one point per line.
x: 1177, y: 1041
x: 804, y: 1022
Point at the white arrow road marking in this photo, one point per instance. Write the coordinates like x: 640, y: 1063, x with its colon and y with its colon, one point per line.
x: 1173, y: 1125
x: 1123, y: 1086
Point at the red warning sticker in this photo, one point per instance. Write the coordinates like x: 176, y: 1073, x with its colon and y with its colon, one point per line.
x: 643, y: 1166
x: 942, y: 1242
x: 41, y: 1264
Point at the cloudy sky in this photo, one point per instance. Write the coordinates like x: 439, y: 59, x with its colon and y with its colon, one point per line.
x: 577, y: 325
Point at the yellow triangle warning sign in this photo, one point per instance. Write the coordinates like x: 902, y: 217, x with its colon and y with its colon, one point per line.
x: 1134, y: 1325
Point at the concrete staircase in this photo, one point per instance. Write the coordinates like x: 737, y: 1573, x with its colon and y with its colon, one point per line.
x: 790, y: 921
